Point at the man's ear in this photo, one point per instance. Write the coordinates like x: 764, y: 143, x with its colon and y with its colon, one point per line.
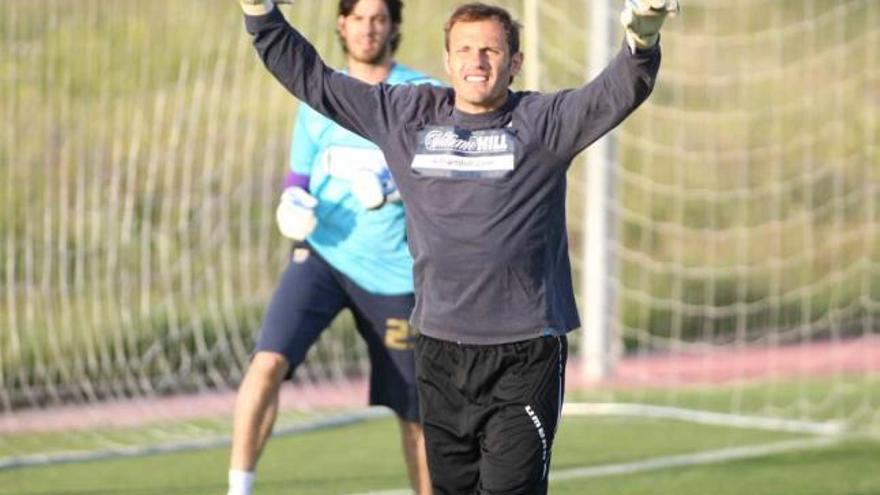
x: 446, y: 63
x: 395, y: 33
x: 516, y: 62
x: 340, y: 25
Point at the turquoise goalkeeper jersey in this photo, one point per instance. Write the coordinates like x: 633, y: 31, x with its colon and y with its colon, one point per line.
x: 368, y: 246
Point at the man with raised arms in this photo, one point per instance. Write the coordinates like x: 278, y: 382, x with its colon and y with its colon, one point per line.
x: 481, y: 171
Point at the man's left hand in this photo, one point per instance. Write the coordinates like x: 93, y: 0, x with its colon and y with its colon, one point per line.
x: 642, y: 20
x: 260, y: 7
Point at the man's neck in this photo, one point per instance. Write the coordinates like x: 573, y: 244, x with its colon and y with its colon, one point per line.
x: 481, y: 108
x: 370, y: 73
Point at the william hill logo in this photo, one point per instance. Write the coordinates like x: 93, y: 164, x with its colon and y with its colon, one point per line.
x: 448, y: 140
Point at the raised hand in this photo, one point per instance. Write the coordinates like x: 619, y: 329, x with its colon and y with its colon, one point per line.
x: 642, y: 20
x: 260, y: 7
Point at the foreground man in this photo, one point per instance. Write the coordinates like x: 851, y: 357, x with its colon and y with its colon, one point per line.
x: 481, y: 171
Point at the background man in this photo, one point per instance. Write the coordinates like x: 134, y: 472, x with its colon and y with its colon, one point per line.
x: 482, y: 171
x: 341, y: 205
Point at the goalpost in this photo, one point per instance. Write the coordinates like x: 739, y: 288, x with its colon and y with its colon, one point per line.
x: 596, y: 351
x: 597, y: 300
x: 728, y: 233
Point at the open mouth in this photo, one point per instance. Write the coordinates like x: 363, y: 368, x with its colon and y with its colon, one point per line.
x: 476, y: 79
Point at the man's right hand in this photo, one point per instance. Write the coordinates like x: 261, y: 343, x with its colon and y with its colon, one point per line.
x: 296, y: 213
x: 260, y: 7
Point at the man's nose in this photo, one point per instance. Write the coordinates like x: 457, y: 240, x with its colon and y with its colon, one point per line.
x: 484, y: 61
x: 478, y: 60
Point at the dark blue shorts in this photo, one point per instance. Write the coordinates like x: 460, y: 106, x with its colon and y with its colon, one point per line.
x: 310, y: 295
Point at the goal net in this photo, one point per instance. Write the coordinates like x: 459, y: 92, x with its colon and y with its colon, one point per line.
x: 140, y: 173
x: 743, y: 244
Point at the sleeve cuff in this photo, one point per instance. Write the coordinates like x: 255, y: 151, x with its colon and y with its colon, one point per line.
x: 634, y: 49
x: 256, y: 23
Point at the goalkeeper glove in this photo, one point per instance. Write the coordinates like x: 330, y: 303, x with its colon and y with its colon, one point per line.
x: 642, y: 20
x: 373, y: 188
x: 296, y: 213
x: 260, y: 7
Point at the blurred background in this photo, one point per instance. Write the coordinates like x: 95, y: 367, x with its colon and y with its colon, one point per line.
x: 725, y: 239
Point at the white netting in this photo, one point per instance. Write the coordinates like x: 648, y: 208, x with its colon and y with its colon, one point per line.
x: 139, y: 182
x: 137, y: 244
x: 746, y: 235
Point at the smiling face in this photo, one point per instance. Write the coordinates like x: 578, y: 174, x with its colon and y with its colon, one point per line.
x: 480, y: 65
x: 366, y: 32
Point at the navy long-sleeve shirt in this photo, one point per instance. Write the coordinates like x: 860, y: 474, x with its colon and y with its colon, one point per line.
x: 484, y: 193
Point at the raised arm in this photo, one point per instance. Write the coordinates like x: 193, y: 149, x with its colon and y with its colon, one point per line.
x: 355, y: 105
x: 574, y: 119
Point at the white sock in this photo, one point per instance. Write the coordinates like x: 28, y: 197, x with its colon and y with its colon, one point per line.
x: 240, y: 482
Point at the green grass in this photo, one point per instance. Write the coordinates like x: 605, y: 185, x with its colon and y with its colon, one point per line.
x: 158, y: 433
x: 852, y: 398
x: 366, y: 456
x: 849, y: 468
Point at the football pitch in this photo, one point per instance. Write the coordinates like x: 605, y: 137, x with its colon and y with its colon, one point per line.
x: 593, y: 455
